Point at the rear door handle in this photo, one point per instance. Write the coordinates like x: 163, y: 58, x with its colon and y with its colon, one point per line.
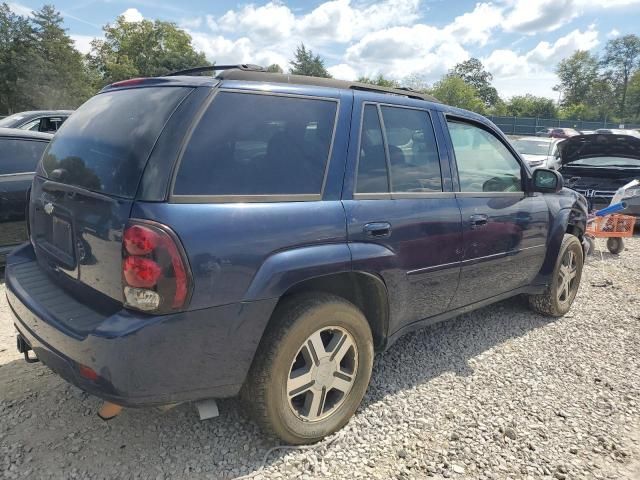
x: 479, y: 220
x: 377, y: 229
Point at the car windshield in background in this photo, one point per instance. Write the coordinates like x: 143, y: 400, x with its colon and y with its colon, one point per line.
x: 532, y: 147
x: 105, y: 144
x: 605, y: 162
x: 11, y: 119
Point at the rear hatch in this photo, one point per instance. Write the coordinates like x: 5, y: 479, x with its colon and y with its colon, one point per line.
x: 86, y: 183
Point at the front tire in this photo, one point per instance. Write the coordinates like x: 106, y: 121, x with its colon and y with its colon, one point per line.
x: 312, y: 368
x: 558, y: 297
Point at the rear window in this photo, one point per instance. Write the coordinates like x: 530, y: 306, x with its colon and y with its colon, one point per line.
x: 105, y: 144
x: 19, y: 156
x: 254, y: 144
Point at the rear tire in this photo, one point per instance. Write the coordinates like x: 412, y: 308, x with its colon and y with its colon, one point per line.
x: 311, y: 370
x: 615, y: 245
x: 558, y: 297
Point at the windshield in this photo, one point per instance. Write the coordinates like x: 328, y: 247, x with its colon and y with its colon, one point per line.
x: 529, y: 147
x: 105, y: 144
x: 11, y: 119
x: 603, y: 162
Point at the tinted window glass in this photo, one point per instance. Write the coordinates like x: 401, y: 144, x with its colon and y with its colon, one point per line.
x: 372, y: 164
x: 105, y: 144
x: 484, y: 163
x: 413, y: 155
x: 19, y: 156
x: 249, y: 144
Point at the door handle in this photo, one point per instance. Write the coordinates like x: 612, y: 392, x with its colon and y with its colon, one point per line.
x: 479, y: 220
x: 377, y: 229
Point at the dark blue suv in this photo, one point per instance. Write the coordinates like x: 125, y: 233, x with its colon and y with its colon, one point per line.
x: 263, y: 235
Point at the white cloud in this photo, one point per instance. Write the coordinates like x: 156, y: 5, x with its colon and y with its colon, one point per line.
x: 132, y: 15
x: 549, y: 54
x: 82, y: 42
x: 268, y: 23
x: 534, y: 16
x: 476, y: 26
x: 191, y: 23
x: 613, y: 33
x: 343, y: 72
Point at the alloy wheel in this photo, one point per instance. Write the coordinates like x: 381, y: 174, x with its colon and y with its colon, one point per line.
x: 567, y: 274
x: 322, y: 373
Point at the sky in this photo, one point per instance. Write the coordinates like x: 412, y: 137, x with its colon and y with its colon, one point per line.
x: 519, y: 41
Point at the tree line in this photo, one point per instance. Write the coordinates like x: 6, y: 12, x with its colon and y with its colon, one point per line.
x: 41, y: 69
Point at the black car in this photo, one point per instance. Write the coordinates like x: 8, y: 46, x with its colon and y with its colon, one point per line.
x: 48, y: 121
x: 20, y: 151
x: 598, y: 165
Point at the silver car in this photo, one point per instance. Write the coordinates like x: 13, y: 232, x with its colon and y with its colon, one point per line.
x: 539, y: 152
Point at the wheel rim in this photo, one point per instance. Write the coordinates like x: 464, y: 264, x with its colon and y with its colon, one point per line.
x: 322, y: 373
x: 567, y: 276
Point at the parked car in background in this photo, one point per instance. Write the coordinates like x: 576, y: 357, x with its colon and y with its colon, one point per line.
x: 47, y: 121
x: 19, y: 154
x: 598, y: 165
x: 264, y: 234
x: 545, y: 132
x: 538, y: 152
x: 587, y: 132
x: 557, y: 132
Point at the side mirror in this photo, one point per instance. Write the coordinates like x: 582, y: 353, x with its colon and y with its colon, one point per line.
x: 547, y: 181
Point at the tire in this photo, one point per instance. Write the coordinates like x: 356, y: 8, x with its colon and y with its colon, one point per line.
x: 615, y: 245
x: 558, y: 297
x: 321, y: 402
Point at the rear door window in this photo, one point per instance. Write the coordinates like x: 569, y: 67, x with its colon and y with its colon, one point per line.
x: 19, y: 156
x: 255, y: 144
x: 104, y: 146
x: 372, y: 163
x: 413, y: 154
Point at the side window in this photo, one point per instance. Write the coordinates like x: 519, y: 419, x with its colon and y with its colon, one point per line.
x: 484, y: 163
x: 372, y: 163
x: 254, y: 144
x: 33, y: 125
x: 19, y: 156
x: 413, y: 154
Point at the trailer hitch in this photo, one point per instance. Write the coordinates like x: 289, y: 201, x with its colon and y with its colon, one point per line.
x: 24, y: 348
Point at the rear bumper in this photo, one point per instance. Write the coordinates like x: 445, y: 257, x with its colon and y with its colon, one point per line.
x: 140, y: 359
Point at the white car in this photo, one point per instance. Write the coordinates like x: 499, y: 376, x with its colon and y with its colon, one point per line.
x: 538, y: 152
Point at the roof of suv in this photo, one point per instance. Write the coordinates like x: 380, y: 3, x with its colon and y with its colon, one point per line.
x: 257, y: 76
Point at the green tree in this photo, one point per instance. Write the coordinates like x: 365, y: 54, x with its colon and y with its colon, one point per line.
x: 454, y: 91
x: 18, y: 61
x: 142, y: 49
x: 275, y: 68
x: 634, y: 96
x: 380, y: 81
x: 306, y: 63
x: 621, y: 59
x: 577, y: 75
x: 472, y: 71
x: 531, y: 106
x: 62, y: 80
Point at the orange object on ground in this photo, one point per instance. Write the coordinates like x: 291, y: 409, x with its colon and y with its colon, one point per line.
x: 612, y: 226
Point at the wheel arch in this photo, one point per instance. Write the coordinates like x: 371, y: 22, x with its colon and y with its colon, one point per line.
x: 365, y: 290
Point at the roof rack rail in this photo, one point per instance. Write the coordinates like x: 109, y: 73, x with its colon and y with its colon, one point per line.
x: 248, y: 67
x: 402, y: 91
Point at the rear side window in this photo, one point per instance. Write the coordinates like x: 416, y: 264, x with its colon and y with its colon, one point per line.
x: 413, y: 154
x: 105, y: 144
x: 19, y: 156
x: 372, y: 164
x: 253, y: 144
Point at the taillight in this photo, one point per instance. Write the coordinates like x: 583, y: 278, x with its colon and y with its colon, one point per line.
x: 155, y: 275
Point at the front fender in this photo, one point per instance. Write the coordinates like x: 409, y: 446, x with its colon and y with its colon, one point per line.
x: 284, y: 269
x: 567, y: 213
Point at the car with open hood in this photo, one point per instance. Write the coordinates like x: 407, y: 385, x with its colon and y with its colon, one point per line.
x: 598, y: 165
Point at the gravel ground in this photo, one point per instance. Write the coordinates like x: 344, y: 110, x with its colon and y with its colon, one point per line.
x: 499, y: 393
